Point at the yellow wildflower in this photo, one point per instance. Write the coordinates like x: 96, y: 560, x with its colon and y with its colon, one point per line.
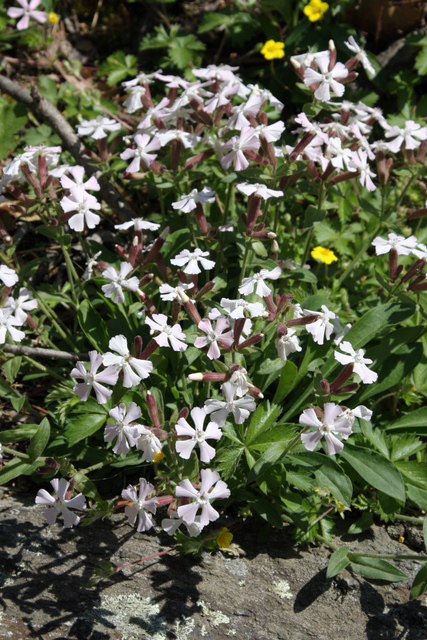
x: 158, y: 456
x: 272, y: 50
x: 324, y: 255
x: 224, y: 538
x: 53, y: 17
x: 315, y: 10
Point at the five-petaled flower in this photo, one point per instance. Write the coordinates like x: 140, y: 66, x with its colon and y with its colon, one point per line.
x: 134, y: 370
x: 332, y: 422
x: 123, y: 427
x: 199, y: 435
x: 213, y: 335
x: 93, y: 379
x: 27, y: 12
x: 118, y: 282
x: 315, y: 10
x: 169, y: 336
x: 356, y: 357
x: 57, y: 505
x: 190, y: 260
x: 239, y: 407
x: 324, y: 255
x: 272, y: 50
x: 139, y: 505
x: 202, y: 498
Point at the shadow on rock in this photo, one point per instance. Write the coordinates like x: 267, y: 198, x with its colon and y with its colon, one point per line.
x: 314, y: 588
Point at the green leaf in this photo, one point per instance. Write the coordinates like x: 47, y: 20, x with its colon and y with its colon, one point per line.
x: 375, y: 470
x: 23, y: 432
x: 421, y: 62
x: 425, y: 531
x: 414, y: 470
x: 39, y: 440
x: 286, y: 382
x: 267, y: 460
x: 228, y: 459
x: 338, y: 483
x: 262, y: 419
x: 258, y: 247
x: 267, y: 511
x: 418, y: 496
x: 375, y: 568
x: 18, y: 403
x: 414, y: 422
x: 14, y: 468
x: 80, y: 426
x: 338, y: 561
x: 86, y: 486
x: 191, y: 467
x: 211, y: 21
x: 419, y: 585
x: 362, y: 524
x: 313, y: 216
x: 11, y: 367
x: 93, y: 326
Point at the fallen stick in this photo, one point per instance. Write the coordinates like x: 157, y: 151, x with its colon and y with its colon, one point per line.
x: 21, y: 350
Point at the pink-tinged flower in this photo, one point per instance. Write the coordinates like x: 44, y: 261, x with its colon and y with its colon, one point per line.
x: 270, y: 132
x: 126, y: 432
x: 27, y: 12
x: 78, y: 173
x: 332, y: 423
x: 213, y: 335
x: 170, y: 525
x: 241, y: 408
x: 93, y: 379
x: 361, y: 412
x: 83, y: 203
x: 98, y: 128
x: 326, y: 80
x: 144, y: 147
x: 360, y: 55
x: 360, y: 161
x: 260, y: 190
x: 140, y: 505
x: 238, y: 118
x: 158, y: 111
x: 247, y: 141
x: 169, y: 294
x: 408, y: 135
x: 287, y: 344
x: 202, y: 499
x: 236, y: 308
x: 248, y: 284
x: 118, y: 282
x: 139, y: 224
x: 189, y: 202
x: 134, y: 101
x: 148, y: 443
x: 8, y: 276
x: 221, y: 97
x: 420, y: 250
x: 403, y: 246
x: 134, y: 370
x: 239, y: 378
x: 58, y: 505
x: 197, y: 436
x: 21, y: 305
x: 366, y: 375
x: 322, y: 326
x: 169, y: 336
x: 189, y: 140
x: 8, y: 324
x: 191, y: 259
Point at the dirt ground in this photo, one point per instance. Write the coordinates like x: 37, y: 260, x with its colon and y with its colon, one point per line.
x: 256, y: 592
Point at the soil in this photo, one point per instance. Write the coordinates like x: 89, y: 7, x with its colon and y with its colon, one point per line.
x: 272, y: 591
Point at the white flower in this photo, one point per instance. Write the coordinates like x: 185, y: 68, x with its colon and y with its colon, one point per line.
x: 169, y: 336
x: 27, y: 12
x: 332, y: 423
x: 134, y: 370
x: 142, y: 153
x: 240, y: 408
x: 20, y: 307
x: 93, y: 379
x: 126, y: 432
x: 248, y: 284
x: 118, y: 282
x: 148, y: 443
x: 8, y: 323
x: 259, y: 190
x: 238, y: 118
x: 139, y: 224
x: 59, y: 505
x: 8, y: 276
x: 322, y: 326
x: 403, y: 246
x: 360, y: 161
x: 361, y: 412
x: 134, y: 101
x: 81, y: 202
x: 140, y: 505
x: 197, y: 435
x: 236, y: 308
x: 420, y: 250
x: 327, y: 80
x: 191, y: 259
x: 78, y: 173
x: 90, y: 264
x: 366, y: 375
x: 170, y: 525
x: 270, y: 132
x: 239, y: 378
x: 97, y: 127
x: 287, y: 344
x: 189, y: 202
x: 213, y: 335
x: 189, y: 140
x: 247, y: 141
x: 169, y: 294
x: 408, y: 135
x: 360, y: 54
x: 339, y: 330
x: 202, y: 499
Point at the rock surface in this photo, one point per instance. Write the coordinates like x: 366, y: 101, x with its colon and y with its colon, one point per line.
x: 265, y: 592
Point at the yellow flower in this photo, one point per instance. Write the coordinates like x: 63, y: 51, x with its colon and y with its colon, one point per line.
x: 315, y: 10
x: 272, y: 50
x: 53, y: 17
x: 224, y: 538
x: 324, y: 255
x: 158, y: 456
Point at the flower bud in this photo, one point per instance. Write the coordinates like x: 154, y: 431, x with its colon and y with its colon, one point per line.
x: 250, y: 341
x: 152, y: 409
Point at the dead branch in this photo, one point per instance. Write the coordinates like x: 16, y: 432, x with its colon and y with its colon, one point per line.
x: 31, y: 352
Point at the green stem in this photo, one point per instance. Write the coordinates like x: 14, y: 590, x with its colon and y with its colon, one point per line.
x: 56, y: 322
x: 244, y: 263
x: 404, y: 191
x: 389, y: 556
x: 17, y: 454
x: 356, y: 259
x: 229, y: 200
x: 308, y: 240
x: 47, y: 370
x: 73, y: 277
x: 94, y: 467
x: 329, y: 544
x: 410, y: 519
